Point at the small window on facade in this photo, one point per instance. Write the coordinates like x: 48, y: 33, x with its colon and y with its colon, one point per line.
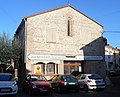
x: 51, y: 35
x: 69, y: 26
x: 50, y: 68
x: 39, y: 69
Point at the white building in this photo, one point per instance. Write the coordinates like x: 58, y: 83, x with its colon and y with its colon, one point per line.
x: 112, y: 58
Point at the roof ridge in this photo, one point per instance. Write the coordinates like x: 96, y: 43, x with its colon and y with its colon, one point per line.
x: 48, y: 11
x: 68, y: 5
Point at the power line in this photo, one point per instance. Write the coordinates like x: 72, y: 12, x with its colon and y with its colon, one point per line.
x: 107, y: 14
x: 111, y: 32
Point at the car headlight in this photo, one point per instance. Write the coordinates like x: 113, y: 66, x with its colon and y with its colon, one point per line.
x: 34, y: 86
x: 14, y: 84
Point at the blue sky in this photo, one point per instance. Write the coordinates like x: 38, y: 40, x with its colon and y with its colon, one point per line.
x: 105, y: 12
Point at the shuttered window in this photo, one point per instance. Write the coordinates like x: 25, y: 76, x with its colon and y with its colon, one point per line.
x: 51, y: 35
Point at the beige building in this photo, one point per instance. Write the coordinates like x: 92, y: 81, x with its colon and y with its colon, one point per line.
x: 61, y: 41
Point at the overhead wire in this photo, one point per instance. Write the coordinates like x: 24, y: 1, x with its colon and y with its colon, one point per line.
x: 111, y: 32
x: 111, y: 13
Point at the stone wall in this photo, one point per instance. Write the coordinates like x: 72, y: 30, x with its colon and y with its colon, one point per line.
x: 47, y: 33
x: 84, y: 31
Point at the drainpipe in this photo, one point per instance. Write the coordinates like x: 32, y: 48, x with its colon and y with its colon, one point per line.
x: 25, y: 49
x: 25, y: 38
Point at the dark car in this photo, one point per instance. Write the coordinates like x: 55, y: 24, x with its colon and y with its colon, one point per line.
x: 113, y: 72
x: 64, y: 82
x: 36, y: 84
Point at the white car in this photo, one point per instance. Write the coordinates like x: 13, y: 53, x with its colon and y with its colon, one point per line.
x: 8, y: 85
x: 91, y: 81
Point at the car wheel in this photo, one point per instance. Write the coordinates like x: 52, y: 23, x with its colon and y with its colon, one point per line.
x: 50, y: 93
x: 29, y: 92
x: 86, y: 88
x: 23, y: 89
x: 15, y: 95
x: 59, y: 90
x: 102, y: 89
x: 77, y: 90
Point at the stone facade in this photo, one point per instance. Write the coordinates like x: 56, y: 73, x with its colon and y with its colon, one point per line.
x: 50, y: 34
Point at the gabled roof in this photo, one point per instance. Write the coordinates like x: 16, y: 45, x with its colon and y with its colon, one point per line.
x: 109, y: 46
x: 61, y: 8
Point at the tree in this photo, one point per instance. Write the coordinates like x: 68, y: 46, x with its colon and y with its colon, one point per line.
x: 9, y: 49
x: 5, y: 48
x: 16, y: 49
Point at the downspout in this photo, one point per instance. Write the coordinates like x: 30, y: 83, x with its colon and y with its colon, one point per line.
x: 25, y: 40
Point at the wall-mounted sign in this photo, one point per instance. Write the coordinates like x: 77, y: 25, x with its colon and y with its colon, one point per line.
x: 45, y: 57
x: 61, y: 57
x: 93, y: 57
x: 39, y: 57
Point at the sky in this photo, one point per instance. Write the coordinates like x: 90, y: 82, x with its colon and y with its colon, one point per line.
x: 105, y: 12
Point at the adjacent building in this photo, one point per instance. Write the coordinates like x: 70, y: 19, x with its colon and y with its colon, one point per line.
x: 60, y: 41
x: 112, y: 58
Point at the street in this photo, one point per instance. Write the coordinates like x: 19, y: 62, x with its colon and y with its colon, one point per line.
x: 110, y: 91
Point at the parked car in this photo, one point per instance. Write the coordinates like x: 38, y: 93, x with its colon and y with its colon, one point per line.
x: 36, y: 84
x: 91, y: 81
x: 113, y: 72
x: 8, y: 84
x: 64, y: 82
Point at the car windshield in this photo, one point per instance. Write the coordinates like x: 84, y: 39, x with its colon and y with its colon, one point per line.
x: 67, y: 77
x: 6, y: 77
x: 94, y: 77
x: 38, y: 78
